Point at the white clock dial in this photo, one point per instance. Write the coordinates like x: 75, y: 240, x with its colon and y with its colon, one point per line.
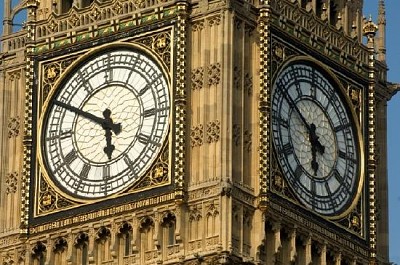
x: 315, y: 139
x: 106, y: 123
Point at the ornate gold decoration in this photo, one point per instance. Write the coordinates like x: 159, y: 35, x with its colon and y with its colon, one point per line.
x: 161, y: 44
x: 52, y: 26
x: 197, y: 78
x: 139, y: 3
x: 95, y: 13
x: 13, y: 126
x: 214, y: 74
x: 49, y: 200
x: 196, y: 135
x: 118, y: 9
x: 213, y: 131
x: 158, y: 175
x: 74, y: 20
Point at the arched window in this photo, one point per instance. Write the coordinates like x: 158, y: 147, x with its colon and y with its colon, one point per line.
x: 102, y: 241
x: 39, y: 253
x: 81, y: 245
x: 65, y: 5
x: 146, y: 234
x: 59, y: 250
x: 125, y: 239
x: 168, y: 229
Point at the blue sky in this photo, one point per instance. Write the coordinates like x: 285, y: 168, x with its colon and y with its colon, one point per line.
x: 393, y: 60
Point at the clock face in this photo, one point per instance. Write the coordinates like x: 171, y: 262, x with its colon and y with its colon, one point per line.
x: 315, y: 139
x: 106, y: 124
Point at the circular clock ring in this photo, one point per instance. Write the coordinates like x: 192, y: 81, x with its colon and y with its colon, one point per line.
x: 105, y: 122
x: 317, y: 139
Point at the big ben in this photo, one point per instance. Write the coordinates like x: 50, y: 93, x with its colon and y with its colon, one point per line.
x: 193, y: 132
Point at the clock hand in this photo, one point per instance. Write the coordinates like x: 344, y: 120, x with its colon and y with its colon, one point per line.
x: 107, y: 127
x: 115, y: 127
x: 315, y: 145
x: 293, y: 104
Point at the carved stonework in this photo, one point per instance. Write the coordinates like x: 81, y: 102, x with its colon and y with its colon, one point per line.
x: 236, y: 134
x: 197, y: 78
x: 14, y: 126
x: 195, y: 213
x: 196, y: 135
x: 103, y: 234
x: 248, y: 84
x: 214, y: 74
x: 214, y: 20
x: 213, y: 131
x: 8, y: 260
x: 198, y: 25
x: 60, y: 245
x: 11, y: 182
x: 212, y: 209
x: 247, y: 140
x: 237, y: 78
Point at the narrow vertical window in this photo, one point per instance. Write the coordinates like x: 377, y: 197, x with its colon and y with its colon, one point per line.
x: 125, y: 237
x: 168, y: 227
x: 81, y: 245
x: 39, y: 253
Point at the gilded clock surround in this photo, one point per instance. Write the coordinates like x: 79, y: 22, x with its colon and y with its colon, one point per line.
x: 49, y: 198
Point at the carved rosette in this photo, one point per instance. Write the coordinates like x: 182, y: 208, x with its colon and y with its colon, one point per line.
x: 13, y: 126
x: 11, y: 182
x: 196, y: 135
x: 265, y: 102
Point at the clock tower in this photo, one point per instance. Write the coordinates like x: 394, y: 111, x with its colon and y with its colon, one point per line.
x: 193, y: 132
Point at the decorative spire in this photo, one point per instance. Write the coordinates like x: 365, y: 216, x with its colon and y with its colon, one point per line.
x: 381, y: 42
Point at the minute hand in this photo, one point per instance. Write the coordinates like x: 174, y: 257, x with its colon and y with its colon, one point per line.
x: 116, y: 128
x: 293, y: 104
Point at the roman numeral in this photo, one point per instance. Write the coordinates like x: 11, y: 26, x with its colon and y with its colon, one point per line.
x: 287, y: 149
x: 341, y: 127
x: 143, y: 90
x: 85, y: 171
x: 298, y: 172
x: 106, y: 172
x: 71, y: 156
x: 144, y: 139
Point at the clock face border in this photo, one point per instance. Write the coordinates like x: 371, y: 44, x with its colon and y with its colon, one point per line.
x: 64, y: 78
x: 331, y: 78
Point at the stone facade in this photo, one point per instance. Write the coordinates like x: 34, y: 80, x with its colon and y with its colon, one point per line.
x: 216, y: 194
